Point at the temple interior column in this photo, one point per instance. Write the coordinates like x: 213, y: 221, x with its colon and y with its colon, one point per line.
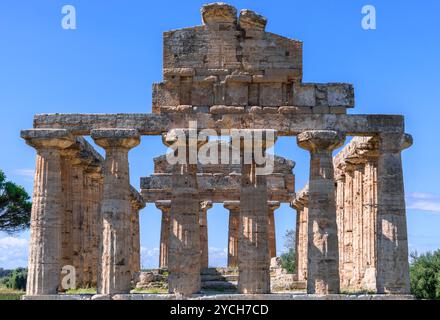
x: 203, y: 222
x: 272, y: 206
x: 165, y: 207
x: 370, y: 223
x: 116, y: 208
x: 323, y: 257
x: 78, y: 165
x: 234, y: 212
x: 301, y: 203
x: 45, y: 253
x: 392, y: 237
x: 67, y: 232
x: 137, y: 204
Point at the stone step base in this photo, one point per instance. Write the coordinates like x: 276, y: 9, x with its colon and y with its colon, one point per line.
x: 219, y: 285
x: 273, y: 296
x: 219, y: 271
x: 227, y: 277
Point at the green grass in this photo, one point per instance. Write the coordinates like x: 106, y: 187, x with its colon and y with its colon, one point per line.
x: 82, y: 291
x: 360, y: 292
x: 10, y: 294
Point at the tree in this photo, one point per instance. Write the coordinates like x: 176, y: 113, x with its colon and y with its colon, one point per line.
x: 15, y: 209
x: 17, y: 280
x: 288, y: 259
x: 425, y: 275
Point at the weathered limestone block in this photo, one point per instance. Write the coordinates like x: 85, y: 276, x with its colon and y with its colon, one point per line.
x: 164, y: 206
x: 249, y: 20
x: 234, y: 212
x: 45, y: 250
x: 218, y: 12
x: 203, y: 222
x: 392, y: 241
x: 116, y: 208
x: 272, y: 206
x: 323, y: 258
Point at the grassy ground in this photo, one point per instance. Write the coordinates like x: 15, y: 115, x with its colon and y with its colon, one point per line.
x: 82, y: 291
x: 10, y: 294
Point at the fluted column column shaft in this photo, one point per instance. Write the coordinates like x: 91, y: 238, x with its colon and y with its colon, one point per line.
x: 392, y: 238
x: 184, y: 237
x: 323, y: 257
x: 44, y: 267
x: 272, y: 206
x: 203, y: 222
x: 253, y: 246
x: 234, y: 213
x: 165, y: 207
x: 116, y: 209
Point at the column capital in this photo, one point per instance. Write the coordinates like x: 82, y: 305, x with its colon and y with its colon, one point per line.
x: 94, y: 170
x: 320, y: 140
x: 48, y: 138
x: 180, y: 136
x: 164, y: 205
x: 394, y: 142
x: 116, y: 138
x: 137, y: 202
x: 273, y: 205
x: 231, y: 205
x: 205, y: 205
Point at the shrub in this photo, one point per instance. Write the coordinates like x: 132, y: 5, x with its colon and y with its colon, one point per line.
x: 17, y: 280
x: 425, y: 275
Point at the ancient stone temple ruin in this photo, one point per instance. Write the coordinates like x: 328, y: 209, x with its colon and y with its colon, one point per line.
x: 227, y: 74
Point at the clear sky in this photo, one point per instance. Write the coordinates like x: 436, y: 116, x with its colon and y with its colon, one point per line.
x: 108, y: 64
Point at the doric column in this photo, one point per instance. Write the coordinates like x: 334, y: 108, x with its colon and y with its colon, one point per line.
x: 137, y: 204
x: 78, y: 208
x: 67, y: 232
x: 340, y: 199
x: 323, y: 264
x: 184, y: 237
x: 370, y: 218
x: 47, y: 209
x: 91, y: 218
x: 116, y: 208
x: 95, y: 178
x: 253, y: 258
x: 272, y: 206
x: 165, y: 207
x: 301, y: 204
x: 203, y: 222
x: 234, y: 212
x: 392, y: 238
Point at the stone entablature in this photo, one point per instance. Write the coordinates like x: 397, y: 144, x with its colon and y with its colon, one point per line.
x: 220, y: 182
x: 232, y: 65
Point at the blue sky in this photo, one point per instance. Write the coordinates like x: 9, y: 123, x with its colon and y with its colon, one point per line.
x: 107, y: 65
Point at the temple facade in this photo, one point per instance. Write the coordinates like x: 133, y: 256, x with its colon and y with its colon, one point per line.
x: 229, y: 76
